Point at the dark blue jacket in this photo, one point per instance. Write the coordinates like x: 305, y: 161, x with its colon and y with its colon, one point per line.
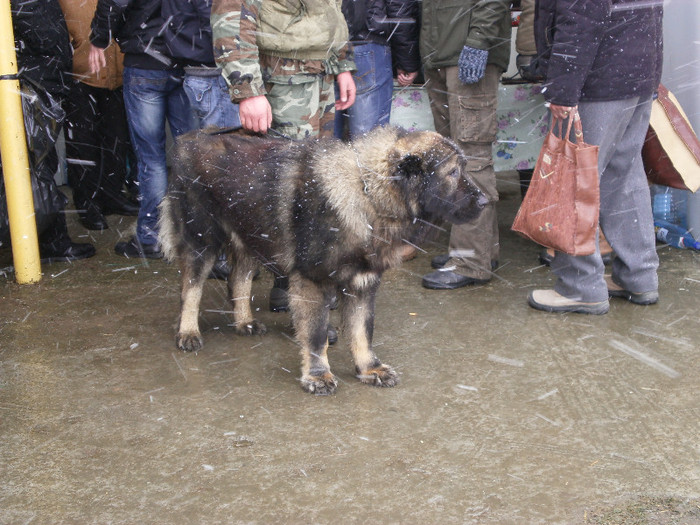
x: 137, y: 26
x: 595, y: 50
x: 395, y: 23
x: 188, y: 30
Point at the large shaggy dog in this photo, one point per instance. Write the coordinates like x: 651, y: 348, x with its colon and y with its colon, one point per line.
x: 332, y: 216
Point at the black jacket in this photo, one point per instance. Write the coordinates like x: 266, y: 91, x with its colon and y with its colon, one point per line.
x: 42, y: 44
x: 137, y: 26
x: 387, y: 22
x: 188, y: 30
x: 599, y: 49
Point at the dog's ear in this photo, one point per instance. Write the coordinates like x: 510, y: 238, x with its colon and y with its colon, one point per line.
x: 409, y: 165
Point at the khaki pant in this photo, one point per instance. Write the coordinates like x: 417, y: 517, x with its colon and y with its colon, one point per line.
x: 467, y: 114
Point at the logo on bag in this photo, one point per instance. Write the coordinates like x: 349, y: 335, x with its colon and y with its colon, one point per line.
x: 546, y: 227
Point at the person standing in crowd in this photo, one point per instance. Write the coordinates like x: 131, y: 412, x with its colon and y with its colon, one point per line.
x: 188, y: 36
x: 465, y: 46
x: 382, y: 32
x: 44, y: 57
x: 97, y: 135
x: 604, y: 58
x: 204, y: 83
x: 153, y: 92
x: 280, y: 60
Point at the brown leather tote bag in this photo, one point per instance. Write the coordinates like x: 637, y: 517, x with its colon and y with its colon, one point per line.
x: 560, y: 209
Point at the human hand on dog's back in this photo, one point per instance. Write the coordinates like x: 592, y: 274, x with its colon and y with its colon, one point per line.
x: 256, y: 114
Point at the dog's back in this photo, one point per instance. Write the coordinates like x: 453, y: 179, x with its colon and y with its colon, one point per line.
x: 215, y: 187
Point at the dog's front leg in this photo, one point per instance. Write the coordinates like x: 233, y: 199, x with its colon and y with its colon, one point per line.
x: 195, y: 269
x: 358, y: 324
x: 310, y: 314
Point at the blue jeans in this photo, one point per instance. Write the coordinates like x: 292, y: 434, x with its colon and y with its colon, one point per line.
x: 151, y: 96
x: 374, y: 82
x: 210, y: 101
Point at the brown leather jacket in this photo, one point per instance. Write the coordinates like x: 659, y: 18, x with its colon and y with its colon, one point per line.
x: 78, y: 14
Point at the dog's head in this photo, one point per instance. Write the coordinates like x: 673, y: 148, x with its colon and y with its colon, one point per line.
x: 439, y: 168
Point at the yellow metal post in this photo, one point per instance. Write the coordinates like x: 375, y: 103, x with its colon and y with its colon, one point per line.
x: 15, y: 163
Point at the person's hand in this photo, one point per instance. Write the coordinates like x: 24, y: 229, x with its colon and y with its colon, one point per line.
x: 256, y: 114
x: 404, y: 78
x: 561, y: 112
x: 346, y: 89
x: 96, y: 59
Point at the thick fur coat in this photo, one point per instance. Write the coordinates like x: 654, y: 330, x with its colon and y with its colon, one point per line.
x: 333, y: 216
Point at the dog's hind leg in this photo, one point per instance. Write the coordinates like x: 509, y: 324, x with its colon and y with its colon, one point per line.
x: 310, y: 312
x: 240, y: 282
x: 358, y: 324
x: 195, y: 269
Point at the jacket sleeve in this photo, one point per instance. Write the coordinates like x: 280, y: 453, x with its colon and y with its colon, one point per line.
x: 576, y: 31
x: 486, y: 20
x: 107, y: 21
x: 403, y: 38
x: 234, y: 25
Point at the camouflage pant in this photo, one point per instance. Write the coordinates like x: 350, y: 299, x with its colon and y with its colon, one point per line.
x: 304, y: 106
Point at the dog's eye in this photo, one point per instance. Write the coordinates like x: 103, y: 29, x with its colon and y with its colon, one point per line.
x: 455, y: 173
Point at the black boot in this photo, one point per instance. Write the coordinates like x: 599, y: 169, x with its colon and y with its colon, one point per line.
x: 55, y: 245
x: 279, y: 295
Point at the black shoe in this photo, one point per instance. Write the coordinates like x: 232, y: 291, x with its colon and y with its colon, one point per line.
x: 92, y: 219
x: 68, y: 252
x: 221, y: 270
x: 133, y: 249
x: 449, y: 280
x: 279, y: 295
x: 279, y: 300
x: 120, y: 205
x: 332, y: 335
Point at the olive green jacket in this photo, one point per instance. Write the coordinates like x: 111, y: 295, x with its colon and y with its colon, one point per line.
x: 449, y: 25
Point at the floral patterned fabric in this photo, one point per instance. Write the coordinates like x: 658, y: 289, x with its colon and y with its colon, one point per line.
x: 521, y: 116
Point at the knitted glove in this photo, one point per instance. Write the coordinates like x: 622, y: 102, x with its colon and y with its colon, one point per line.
x: 472, y: 64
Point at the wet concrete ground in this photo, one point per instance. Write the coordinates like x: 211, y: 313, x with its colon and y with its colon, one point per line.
x: 503, y: 415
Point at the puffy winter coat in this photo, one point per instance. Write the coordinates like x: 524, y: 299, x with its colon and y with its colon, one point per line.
x: 42, y: 44
x: 387, y: 22
x: 449, y: 25
x: 599, y: 49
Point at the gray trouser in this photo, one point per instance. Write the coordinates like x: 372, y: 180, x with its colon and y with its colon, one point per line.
x: 467, y: 114
x: 619, y: 128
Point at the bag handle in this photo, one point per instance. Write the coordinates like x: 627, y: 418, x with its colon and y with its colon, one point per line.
x: 574, y: 120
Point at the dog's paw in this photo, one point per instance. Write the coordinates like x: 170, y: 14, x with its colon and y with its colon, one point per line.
x: 189, y: 342
x: 252, y: 328
x: 382, y: 375
x: 320, y: 385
